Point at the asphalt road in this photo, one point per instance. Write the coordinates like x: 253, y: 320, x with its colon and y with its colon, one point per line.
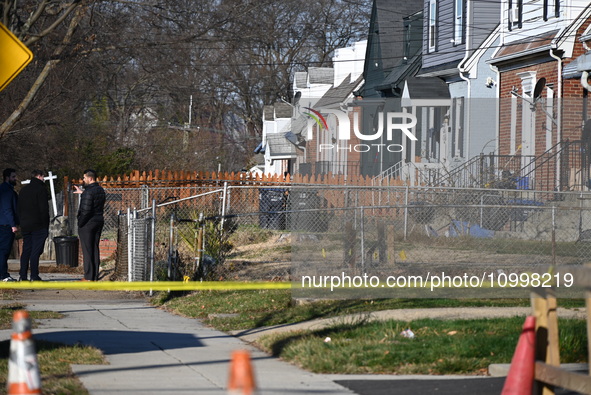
x: 480, y: 386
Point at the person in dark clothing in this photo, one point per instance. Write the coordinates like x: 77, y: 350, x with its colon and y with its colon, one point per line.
x: 8, y: 220
x: 33, y: 212
x: 90, y: 223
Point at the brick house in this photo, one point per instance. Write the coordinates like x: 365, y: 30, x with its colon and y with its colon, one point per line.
x: 542, y: 103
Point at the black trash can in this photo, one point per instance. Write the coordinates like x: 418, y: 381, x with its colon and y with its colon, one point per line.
x: 307, y: 211
x: 66, y: 250
x: 272, y: 208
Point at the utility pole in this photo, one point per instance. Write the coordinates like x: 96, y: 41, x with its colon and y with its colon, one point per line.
x: 190, y: 108
x: 187, y: 127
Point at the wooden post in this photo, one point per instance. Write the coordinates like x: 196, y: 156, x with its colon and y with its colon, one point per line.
x: 199, y: 247
x: 382, y: 242
x: 547, y: 342
x: 349, y: 245
x: 66, y: 196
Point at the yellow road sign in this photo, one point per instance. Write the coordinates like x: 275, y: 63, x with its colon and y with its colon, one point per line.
x: 14, y: 56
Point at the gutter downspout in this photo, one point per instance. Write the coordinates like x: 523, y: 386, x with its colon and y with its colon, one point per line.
x: 558, y: 117
x: 495, y: 70
x: 461, y: 70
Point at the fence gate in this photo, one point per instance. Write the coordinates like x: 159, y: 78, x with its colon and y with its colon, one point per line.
x: 138, y: 237
x: 133, y: 247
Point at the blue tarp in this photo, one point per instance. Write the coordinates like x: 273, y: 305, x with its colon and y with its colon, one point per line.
x: 460, y: 228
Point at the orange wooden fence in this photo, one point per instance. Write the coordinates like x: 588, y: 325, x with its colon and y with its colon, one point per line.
x: 188, y: 178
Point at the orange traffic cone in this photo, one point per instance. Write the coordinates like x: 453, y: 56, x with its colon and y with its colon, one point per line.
x: 23, y: 370
x: 520, y: 379
x: 241, y: 374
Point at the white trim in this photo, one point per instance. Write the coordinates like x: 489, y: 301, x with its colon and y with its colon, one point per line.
x: 459, y: 15
x: 549, y: 116
x: 513, y: 132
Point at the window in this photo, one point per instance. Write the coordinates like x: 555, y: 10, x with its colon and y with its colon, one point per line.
x: 551, y: 9
x: 459, y: 23
x: 432, y: 25
x: 457, y: 128
x: 435, y: 123
x: 515, y: 13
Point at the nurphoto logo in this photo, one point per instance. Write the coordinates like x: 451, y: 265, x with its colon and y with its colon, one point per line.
x: 395, y: 122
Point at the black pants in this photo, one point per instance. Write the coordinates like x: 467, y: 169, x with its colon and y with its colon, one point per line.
x: 33, y: 244
x: 90, y: 237
x: 6, y: 240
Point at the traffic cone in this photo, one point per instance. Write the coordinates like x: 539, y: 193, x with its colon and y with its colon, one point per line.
x: 520, y: 379
x: 23, y: 370
x: 241, y: 380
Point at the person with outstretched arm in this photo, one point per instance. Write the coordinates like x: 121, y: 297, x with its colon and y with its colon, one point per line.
x: 33, y: 212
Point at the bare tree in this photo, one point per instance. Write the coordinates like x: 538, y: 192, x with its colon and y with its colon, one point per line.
x: 117, y: 77
x: 31, y: 22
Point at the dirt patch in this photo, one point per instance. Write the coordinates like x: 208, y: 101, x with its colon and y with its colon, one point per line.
x: 270, y: 261
x: 259, y: 251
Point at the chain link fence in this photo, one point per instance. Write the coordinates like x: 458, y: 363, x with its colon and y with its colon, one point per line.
x: 282, y: 233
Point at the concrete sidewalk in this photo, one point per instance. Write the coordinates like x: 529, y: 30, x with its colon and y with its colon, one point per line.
x: 152, y: 351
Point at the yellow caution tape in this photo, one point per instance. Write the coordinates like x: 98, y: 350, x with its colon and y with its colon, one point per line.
x: 145, y: 285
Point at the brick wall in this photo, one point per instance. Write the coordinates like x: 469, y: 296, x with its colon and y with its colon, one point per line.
x: 107, y: 248
x: 571, y: 106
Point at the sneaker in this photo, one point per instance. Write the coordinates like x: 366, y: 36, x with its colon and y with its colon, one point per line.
x: 8, y: 279
x: 36, y: 278
x: 23, y: 279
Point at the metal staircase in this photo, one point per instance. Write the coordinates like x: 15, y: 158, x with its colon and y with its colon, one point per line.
x: 564, y: 166
x: 391, y: 172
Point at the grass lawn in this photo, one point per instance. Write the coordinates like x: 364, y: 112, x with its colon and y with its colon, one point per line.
x: 7, y: 311
x: 439, y: 346
x: 54, y: 358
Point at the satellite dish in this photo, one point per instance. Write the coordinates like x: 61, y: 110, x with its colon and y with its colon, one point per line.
x: 540, y: 85
x: 292, y: 138
x: 295, y: 139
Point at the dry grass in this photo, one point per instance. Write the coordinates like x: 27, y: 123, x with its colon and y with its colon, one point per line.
x: 269, y: 259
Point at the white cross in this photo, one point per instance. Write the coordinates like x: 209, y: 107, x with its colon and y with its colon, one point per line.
x: 50, y: 177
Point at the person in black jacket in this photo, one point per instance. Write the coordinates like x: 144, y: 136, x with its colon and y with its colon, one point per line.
x: 90, y: 223
x: 9, y: 220
x: 33, y: 211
